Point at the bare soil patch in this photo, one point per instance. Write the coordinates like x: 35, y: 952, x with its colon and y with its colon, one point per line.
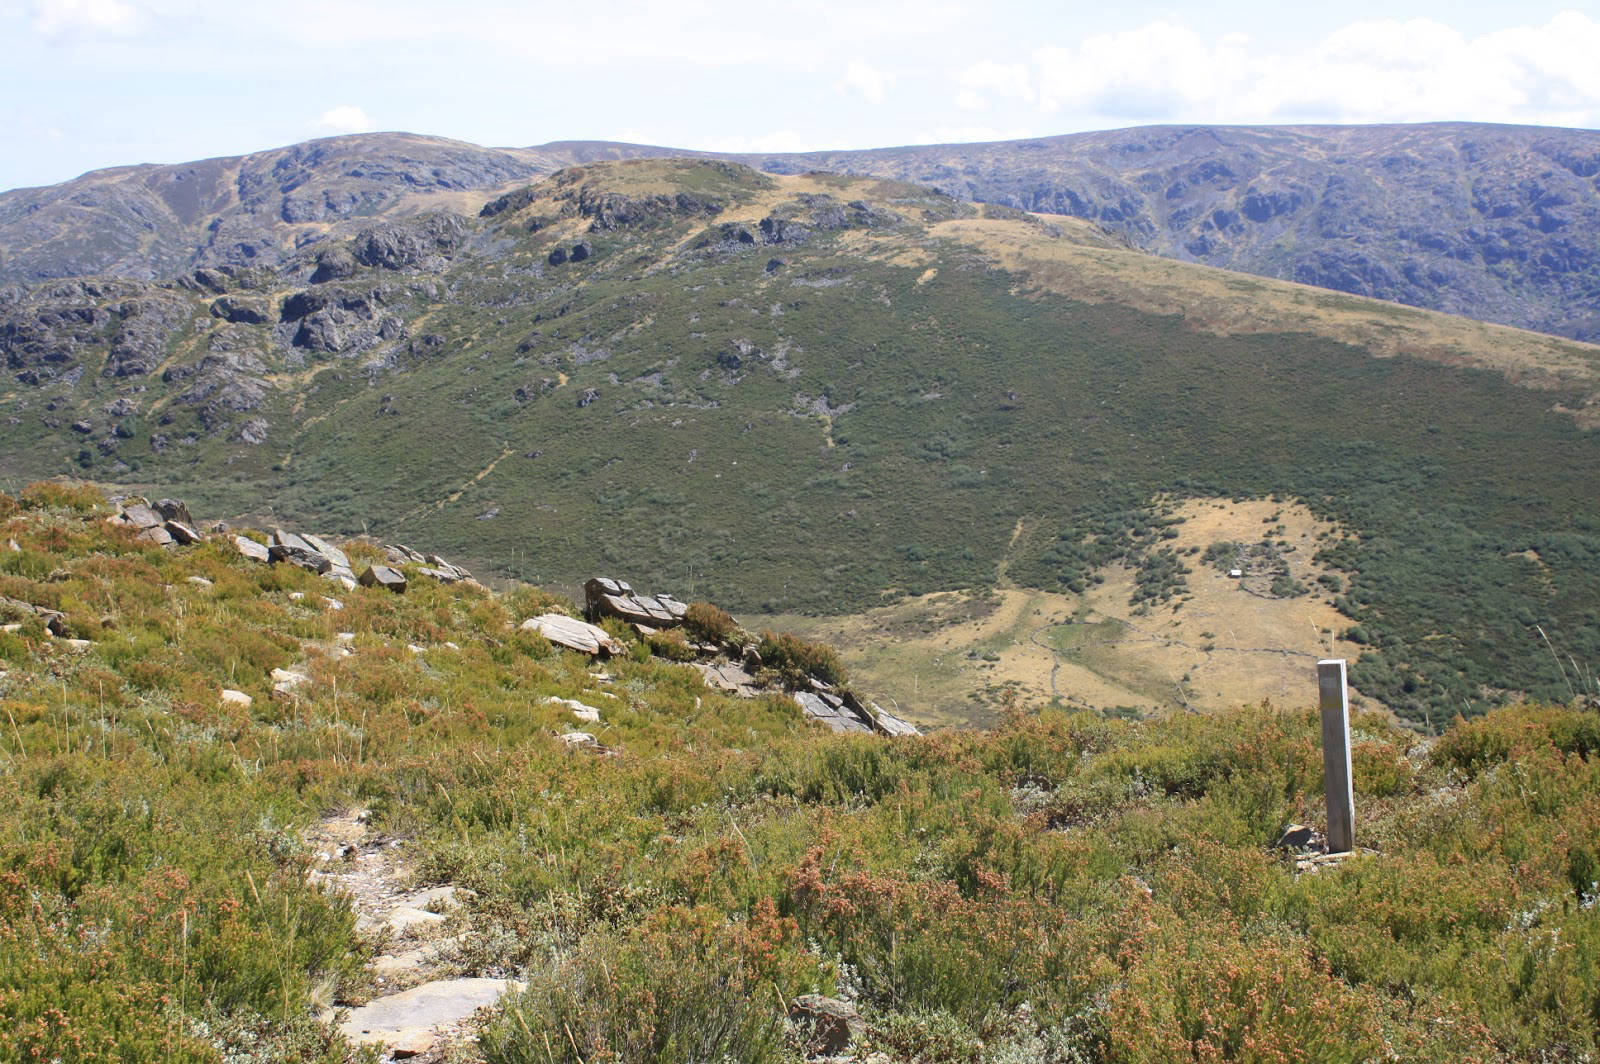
x: 959, y: 657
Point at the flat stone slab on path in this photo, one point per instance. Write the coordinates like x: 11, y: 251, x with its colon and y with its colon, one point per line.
x: 411, y: 1021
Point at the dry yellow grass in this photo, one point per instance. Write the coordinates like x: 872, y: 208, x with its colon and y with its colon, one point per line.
x: 1080, y: 265
x: 956, y: 657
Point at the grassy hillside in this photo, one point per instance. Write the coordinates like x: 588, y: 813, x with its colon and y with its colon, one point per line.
x: 1062, y: 888
x: 818, y: 393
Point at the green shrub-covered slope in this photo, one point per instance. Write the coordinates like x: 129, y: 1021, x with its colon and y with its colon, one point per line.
x: 1062, y: 888
x: 788, y: 422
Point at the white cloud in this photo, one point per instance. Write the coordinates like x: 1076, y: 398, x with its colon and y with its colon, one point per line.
x: 1376, y: 71
x: 1009, y: 81
x: 870, y: 83
x: 1147, y: 74
x: 345, y: 119
x: 82, y: 18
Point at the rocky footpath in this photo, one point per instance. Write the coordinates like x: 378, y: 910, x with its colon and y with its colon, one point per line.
x: 417, y: 1010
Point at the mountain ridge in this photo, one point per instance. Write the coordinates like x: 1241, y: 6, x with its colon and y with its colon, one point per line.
x: 1494, y: 222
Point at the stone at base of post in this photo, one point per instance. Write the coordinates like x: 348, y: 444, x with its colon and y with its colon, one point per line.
x: 1334, y: 697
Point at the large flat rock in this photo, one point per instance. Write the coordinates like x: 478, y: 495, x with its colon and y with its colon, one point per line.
x: 572, y: 633
x: 410, y: 1020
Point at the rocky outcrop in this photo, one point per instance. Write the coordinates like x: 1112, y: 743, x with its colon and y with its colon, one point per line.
x: 41, y: 335
x: 429, y: 565
x: 334, y: 264
x: 55, y: 621
x: 1471, y: 219
x: 613, y: 210
x: 573, y: 634
x: 48, y: 332
x: 144, y: 328
x: 233, y: 380
x: 240, y: 310
x: 729, y: 664
x: 606, y: 597
x: 843, y: 711
x: 287, y: 547
x: 426, y: 243
x: 166, y: 523
x: 337, y: 320
x: 386, y: 577
x: 256, y: 552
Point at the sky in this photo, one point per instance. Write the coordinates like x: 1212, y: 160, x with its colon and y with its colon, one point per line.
x: 93, y: 83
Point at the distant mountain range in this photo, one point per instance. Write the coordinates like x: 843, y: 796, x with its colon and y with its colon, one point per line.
x: 1499, y: 223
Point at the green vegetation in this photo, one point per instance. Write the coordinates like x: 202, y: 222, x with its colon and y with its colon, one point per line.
x: 1066, y: 887
x: 808, y: 435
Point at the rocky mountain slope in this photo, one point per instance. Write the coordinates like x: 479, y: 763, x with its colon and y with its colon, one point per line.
x: 1494, y: 222
x: 146, y: 222
x: 815, y: 392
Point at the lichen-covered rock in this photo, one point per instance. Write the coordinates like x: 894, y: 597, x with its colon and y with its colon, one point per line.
x: 287, y: 547
x: 573, y: 634
x: 607, y: 597
x: 385, y: 577
x: 827, y: 1026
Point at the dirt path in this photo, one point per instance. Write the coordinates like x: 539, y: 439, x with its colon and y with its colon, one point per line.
x: 417, y: 1012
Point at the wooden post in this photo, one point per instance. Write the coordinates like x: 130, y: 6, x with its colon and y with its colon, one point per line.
x: 1335, y: 701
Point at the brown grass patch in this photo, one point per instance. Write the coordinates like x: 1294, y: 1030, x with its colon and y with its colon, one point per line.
x: 958, y: 657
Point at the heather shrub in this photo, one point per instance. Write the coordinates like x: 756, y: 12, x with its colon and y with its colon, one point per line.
x: 706, y: 623
x: 797, y: 660
x: 684, y: 987
x: 669, y: 643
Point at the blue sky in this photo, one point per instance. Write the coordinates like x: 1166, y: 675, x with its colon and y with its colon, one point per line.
x: 94, y: 83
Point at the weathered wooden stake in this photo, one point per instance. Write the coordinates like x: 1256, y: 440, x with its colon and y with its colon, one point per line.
x: 1335, y: 699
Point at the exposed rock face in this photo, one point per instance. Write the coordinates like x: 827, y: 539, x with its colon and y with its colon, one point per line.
x: 167, y: 522
x: 240, y: 310
x: 605, y: 597
x: 252, y: 550
x: 233, y: 380
x: 46, y: 332
x: 153, y: 221
x: 1487, y: 221
x: 830, y: 710
x: 420, y: 243
x: 334, y: 264
x: 139, y: 342
x: 847, y: 713
x: 572, y: 633
x: 339, y: 320
x: 287, y: 547
x: 613, y: 210
x: 1494, y: 221
x: 385, y: 577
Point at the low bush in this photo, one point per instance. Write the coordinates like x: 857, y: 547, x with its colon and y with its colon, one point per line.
x: 798, y: 660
